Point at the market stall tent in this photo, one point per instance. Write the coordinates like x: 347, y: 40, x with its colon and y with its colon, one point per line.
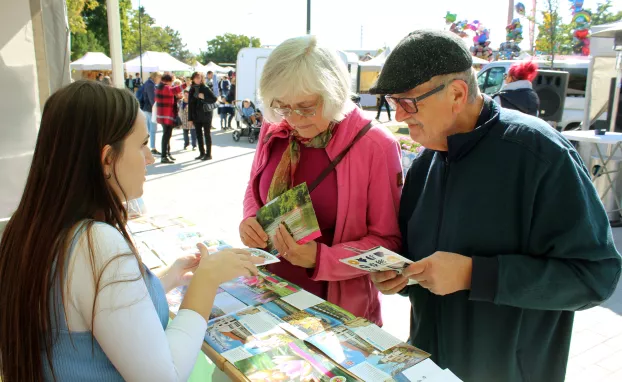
x: 92, y: 61
x: 156, y: 62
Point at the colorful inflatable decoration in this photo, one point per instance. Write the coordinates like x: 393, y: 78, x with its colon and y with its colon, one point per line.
x: 520, y: 9
x: 581, y: 19
x: 481, y: 40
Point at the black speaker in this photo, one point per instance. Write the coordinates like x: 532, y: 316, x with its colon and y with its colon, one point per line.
x: 551, y: 87
x: 612, y: 89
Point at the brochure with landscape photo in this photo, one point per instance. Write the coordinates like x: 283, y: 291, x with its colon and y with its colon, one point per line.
x: 257, y: 290
x: 222, y: 303
x: 295, y: 210
x: 291, y: 362
x: 149, y: 223
x: 309, y: 321
x: 172, y: 242
x: 244, y: 333
x: 370, y: 363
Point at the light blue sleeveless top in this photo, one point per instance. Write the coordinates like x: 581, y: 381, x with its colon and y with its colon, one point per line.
x: 78, y: 356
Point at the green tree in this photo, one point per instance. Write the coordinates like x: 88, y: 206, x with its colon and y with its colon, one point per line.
x: 225, y: 48
x: 91, y: 35
x: 550, y: 30
x: 604, y: 15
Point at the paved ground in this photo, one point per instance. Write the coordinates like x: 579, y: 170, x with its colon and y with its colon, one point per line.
x: 211, y: 193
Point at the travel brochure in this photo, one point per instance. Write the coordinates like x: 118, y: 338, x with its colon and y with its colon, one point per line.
x: 271, y: 329
x: 378, y: 259
x: 293, y: 361
x: 294, y: 209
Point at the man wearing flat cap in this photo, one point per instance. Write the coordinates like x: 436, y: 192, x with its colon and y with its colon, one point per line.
x: 507, y: 232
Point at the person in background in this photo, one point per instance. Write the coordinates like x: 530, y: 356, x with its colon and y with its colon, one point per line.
x: 383, y: 102
x: 107, y: 81
x: 187, y: 127
x: 225, y: 86
x: 199, y: 97
x: 231, y: 100
x: 147, y: 108
x: 187, y: 83
x: 212, y: 83
x: 129, y: 82
x: 499, y: 215
x: 517, y: 93
x: 100, y: 77
x: 311, y: 121
x: 87, y: 308
x: 249, y: 111
x: 138, y: 82
x: 166, y: 99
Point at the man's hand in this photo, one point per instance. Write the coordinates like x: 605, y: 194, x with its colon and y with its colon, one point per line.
x: 389, y: 282
x: 442, y: 273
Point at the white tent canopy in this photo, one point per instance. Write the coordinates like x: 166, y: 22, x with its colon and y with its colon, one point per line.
x: 157, y: 62
x: 376, y: 63
x: 215, y: 68
x: 92, y: 61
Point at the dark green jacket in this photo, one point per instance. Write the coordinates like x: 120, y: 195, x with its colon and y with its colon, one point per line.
x: 515, y: 196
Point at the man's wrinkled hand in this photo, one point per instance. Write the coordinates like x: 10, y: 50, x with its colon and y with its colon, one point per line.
x: 442, y: 273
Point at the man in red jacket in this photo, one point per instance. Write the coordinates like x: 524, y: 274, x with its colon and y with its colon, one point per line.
x: 165, y: 96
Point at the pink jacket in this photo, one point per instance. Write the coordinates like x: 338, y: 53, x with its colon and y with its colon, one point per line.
x: 369, y: 178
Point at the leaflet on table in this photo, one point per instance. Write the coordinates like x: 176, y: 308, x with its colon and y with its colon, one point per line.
x: 224, y: 303
x: 149, y: 223
x: 172, y: 242
x: 310, y: 321
x: 269, y: 258
x: 295, y: 210
x: 427, y: 371
x: 293, y: 361
x: 367, y: 351
x: 259, y: 289
x: 245, y: 333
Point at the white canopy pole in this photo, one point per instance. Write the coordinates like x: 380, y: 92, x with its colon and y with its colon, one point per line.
x: 116, y: 48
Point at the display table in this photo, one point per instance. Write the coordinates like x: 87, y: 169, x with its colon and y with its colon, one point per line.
x: 614, y: 141
x: 266, y: 328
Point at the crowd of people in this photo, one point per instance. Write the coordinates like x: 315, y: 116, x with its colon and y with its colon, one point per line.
x: 188, y: 103
x: 507, y: 234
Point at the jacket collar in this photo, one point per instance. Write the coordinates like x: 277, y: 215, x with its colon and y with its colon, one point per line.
x: 521, y: 84
x: 459, y: 145
x: 345, y: 131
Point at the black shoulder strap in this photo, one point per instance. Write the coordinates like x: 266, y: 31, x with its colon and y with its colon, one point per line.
x: 339, y: 157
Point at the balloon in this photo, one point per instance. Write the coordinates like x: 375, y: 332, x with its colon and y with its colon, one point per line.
x: 450, y: 18
x: 520, y: 9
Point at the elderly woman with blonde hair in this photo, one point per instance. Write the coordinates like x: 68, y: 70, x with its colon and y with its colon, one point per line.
x: 312, y: 128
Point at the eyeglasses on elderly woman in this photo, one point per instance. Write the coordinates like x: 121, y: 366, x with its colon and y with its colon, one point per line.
x: 287, y: 111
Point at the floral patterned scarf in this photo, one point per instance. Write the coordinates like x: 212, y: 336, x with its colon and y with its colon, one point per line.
x: 283, y: 178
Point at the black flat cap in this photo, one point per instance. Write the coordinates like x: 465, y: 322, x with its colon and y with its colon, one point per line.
x: 421, y: 55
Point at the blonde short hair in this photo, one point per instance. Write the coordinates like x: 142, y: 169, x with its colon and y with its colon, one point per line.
x: 299, y: 66
x: 155, y: 75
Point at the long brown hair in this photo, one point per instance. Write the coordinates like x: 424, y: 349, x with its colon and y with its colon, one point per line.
x: 66, y: 185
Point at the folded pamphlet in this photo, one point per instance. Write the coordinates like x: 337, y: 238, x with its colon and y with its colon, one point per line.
x: 295, y: 210
x: 378, y: 259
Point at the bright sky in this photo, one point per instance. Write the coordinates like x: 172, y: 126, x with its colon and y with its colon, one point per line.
x: 338, y: 21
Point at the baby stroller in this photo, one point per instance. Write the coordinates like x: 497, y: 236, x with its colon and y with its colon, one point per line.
x: 248, y: 129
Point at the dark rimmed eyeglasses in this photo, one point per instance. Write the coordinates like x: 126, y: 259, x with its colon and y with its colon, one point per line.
x: 410, y: 104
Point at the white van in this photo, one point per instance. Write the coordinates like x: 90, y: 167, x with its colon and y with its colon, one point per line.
x: 250, y: 66
x: 492, y: 76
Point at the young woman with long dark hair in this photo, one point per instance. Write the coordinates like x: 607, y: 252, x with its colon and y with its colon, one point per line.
x: 77, y: 304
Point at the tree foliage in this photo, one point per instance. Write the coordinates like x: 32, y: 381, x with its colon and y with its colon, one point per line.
x: 555, y: 36
x: 225, y: 48
x: 89, y: 31
x: 604, y: 15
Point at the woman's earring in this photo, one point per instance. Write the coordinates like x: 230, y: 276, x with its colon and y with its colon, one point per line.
x: 108, y: 176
